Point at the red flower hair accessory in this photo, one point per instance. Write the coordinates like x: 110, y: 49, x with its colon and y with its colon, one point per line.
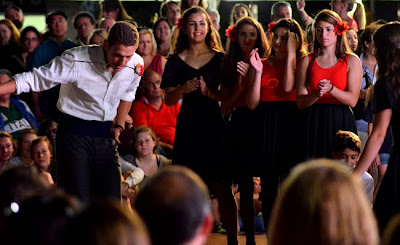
x: 340, y: 27
x: 271, y: 27
x: 230, y: 32
x: 139, y: 69
x: 180, y: 23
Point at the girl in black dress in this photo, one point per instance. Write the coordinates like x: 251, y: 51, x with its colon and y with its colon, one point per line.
x: 244, y: 36
x: 192, y: 74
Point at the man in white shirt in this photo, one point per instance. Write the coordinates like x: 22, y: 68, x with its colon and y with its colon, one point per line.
x: 98, y: 85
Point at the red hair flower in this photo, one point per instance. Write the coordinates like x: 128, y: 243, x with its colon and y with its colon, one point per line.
x: 271, y: 27
x: 139, y: 69
x: 340, y: 27
x: 230, y: 32
x: 180, y: 23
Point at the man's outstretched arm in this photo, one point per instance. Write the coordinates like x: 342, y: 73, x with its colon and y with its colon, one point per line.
x: 8, y: 87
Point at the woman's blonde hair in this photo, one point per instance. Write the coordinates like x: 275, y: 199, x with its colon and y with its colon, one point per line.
x: 153, y: 40
x: 321, y: 203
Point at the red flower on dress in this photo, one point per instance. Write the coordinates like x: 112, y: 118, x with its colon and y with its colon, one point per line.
x: 271, y: 27
x: 180, y: 23
x: 230, y: 32
x: 139, y: 69
x: 340, y: 27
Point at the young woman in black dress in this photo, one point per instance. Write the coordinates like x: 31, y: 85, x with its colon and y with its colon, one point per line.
x: 192, y: 73
x: 245, y: 35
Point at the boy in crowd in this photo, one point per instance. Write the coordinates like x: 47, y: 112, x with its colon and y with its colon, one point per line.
x: 347, y: 148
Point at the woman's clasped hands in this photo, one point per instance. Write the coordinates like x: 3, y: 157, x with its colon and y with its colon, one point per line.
x: 324, y: 86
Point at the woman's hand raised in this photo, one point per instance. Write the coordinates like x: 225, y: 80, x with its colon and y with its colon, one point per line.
x: 255, y: 61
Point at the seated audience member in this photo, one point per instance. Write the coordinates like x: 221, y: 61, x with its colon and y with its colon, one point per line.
x: 23, y: 155
x: 132, y: 176
x: 106, y: 23
x: 7, y: 148
x: 30, y: 39
x: 259, y: 222
x: 115, y: 9
x: 171, y: 11
x: 175, y: 205
x: 162, y: 33
x: 41, y: 219
x: 16, y: 185
x: 106, y: 223
x: 215, y: 19
x: 15, y: 15
x: 42, y: 156
x: 98, y: 36
x: 347, y: 148
x: 15, y: 114
x: 321, y: 203
x: 280, y: 10
x: 148, y: 50
x: 341, y: 7
x: 48, y: 128
x: 145, y: 145
x: 9, y: 43
x: 391, y: 235
x: 151, y: 111
x: 84, y: 24
x: 238, y: 11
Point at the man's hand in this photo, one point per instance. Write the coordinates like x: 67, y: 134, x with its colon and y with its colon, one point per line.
x: 115, y: 133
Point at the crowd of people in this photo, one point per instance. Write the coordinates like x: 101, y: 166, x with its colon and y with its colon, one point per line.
x: 138, y: 128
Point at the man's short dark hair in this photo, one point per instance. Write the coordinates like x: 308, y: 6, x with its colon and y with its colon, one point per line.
x: 346, y: 139
x: 84, y: 14
x: 174, y: 204
x: 15, y: 7
x: 123, y: 33
x: 57, y: 12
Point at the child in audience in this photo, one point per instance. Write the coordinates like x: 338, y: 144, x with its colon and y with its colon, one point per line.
x: 145, y: 145
x: 107, y: 223
x: 7, y: 147
x: 42, y: 153
x: 347, y: 148
x: 23, y: 155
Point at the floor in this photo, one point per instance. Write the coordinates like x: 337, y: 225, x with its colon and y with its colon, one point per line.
x: 220, y: 239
